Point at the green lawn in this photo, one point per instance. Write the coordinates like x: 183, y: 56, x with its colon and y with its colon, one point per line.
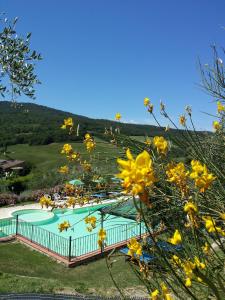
x: 46, y: 157
x: 46, y: 160
x: 25, y: 270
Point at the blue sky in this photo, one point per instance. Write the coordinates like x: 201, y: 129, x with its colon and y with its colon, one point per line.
x: 104, y: 56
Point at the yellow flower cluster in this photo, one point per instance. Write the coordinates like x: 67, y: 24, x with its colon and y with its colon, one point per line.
x: 146, y: 101
x: 182, y: 120
x: 210, y: 225
x: 178, y: 175
x: 68, y: 123
x: 189, y: 268
x: 118, y: 116
x: 67, y: 149
x: 216, y: 125
x: 155, y: 295
x: 90, y: 221
x: 148, y: 104
x: 191, y: 209
x: 64, y: 170
x: 148, y: 141
x: 176, y: 239
x: 86, y: 166
x: 71, y: 201
x: 101, y: 237
x: 70, y: 153
x: 69, y: 188
x: 161, y: 145
x: 200, y: 174
x: 220, y: 107
x: 44, y: 201
x: 89, y: 142
x: 135, y: 248
x: 137, y: 174
x: 64, y: 226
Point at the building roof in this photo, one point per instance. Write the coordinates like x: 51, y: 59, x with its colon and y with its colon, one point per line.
x: 8, y: 164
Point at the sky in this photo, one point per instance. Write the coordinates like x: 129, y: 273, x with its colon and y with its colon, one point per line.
x: 101, y: 57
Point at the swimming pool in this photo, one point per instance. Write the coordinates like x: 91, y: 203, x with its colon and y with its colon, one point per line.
x: 42, y: 227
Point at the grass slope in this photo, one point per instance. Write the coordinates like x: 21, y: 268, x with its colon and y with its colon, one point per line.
x: 25, y: 270
x: 37, y: 124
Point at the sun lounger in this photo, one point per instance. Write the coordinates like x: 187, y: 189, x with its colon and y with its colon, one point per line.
x: 56, y: 197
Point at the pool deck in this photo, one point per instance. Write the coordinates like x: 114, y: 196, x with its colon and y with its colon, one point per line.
x: 6, y: 212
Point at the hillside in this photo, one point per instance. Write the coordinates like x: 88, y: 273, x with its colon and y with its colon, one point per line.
x: 39, y: 125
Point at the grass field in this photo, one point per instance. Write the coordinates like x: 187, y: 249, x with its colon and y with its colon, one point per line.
x: 25, y: 270
x: 46, y: 157
x: 46, y: 160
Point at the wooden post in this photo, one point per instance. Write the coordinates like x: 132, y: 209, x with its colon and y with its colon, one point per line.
x: 69, y: 255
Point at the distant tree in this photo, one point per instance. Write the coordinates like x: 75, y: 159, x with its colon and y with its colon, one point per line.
x: 17, y: 66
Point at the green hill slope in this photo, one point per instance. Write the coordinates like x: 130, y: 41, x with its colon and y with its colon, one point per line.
x: 39, y: 125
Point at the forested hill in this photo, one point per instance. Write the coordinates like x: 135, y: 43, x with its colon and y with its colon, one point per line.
x: 36, y: 124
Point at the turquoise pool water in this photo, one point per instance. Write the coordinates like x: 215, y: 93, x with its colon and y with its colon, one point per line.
x: 42, y: 227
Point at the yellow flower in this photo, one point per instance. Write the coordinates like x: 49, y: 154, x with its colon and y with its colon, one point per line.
x: 182, y: 120
x: 178, y: 175
x: 118, y: 116
x: 188, y: 282
x: 134, y: 248
x: 89, y: 142
x: 87, y: 136
x: 64, y: 170
x: 220, y: 107
x: 86, y: 166
x: 68, y: 123
x: 69, y: 188
x: 165, y: 292
x: 210, y: 224
x: 217, y: 125
x: 91, y: 221
x: 64, y: 226
x: 146, y: 101
x: 44, y: 201
x: 176, y: 239
x: 222, y: 216
x: 190, y: 207
x: 67, y: 149
x: 161, y: 144
x: 148, y: 141
x: 90, y: 146
x: 150, y: 108
x: 137, y: 174
x: 101, y: 237
x: 206, y: 248
x: 198, y: 263
x: 73, y: 156
x: 200, y: 174
x: 154, y: 295
x: 71, y: 201
x: 176, y: 259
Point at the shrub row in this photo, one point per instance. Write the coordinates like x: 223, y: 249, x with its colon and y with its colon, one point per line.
x: 12, y: 199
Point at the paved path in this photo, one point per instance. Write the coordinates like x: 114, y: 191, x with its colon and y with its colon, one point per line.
x: 6, y: 212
